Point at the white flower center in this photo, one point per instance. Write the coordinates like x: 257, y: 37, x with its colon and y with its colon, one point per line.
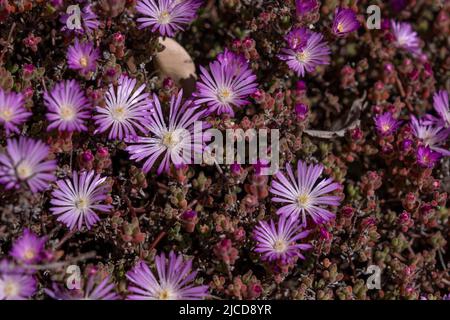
x: 119, y: 113
x: 6, y: 114
x: 67, y: 112
x: 11, y: 289
x: 280, y: 246
x: 24, y: 171
x: 166, y: 294
x: 82, y: 203
x: 303, y: 200
x: 224, y: 95
x: 170, y: 139
x: 164, y: 17
x: 302, y: 56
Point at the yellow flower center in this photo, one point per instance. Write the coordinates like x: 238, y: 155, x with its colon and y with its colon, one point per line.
x: 29, y: 254
x: 6, y: 114
x: 224, y: 95
x: 302, y: 56
x: 170, y: 139
x: 303, y: 200
x: 24, y: 171
x: 82, y: 203
x: 11, y: 289
x: 84, y: 61
x: 340, y: 27
x: 67, y: 113
x: 164, y: 17
x: 166, y: 294
x: 385, y: 127
x: 280, y: 246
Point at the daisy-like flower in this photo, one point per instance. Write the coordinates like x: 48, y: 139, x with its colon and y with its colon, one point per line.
x: 431, y: 136
x: 278, y: 242
x: 83, y: 57
x: 304, y: 195
x: 175, y: 280
x: 386, y: 124
x: 127, y: 110
x: 88, y: 18
x: 174, y: 140
x: 67, y: 107
x: 16, y: 287
x: 345, y: 22
x: 12, y: 111
x: 102, y: 291
x: 442, y: 107
x: 426, y: 157
x: 166, y: 16
x: 24, y: 162
x: 227, y: 84
x: 28, y: 249
x: 405, y: 37
x: 75, y: 201
x: 314, y: 53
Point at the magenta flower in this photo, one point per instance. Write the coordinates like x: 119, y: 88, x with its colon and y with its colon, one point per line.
x: 426, y: 157
x: 24, y: 162
x: 166, y: 16
x: 175, y: 280
x: 174, y: 140
x: 29, y: 248
x: 304, y: 195
x: 279, y: 242
x: 297, y: 38
x: 82, y: 57
x: 68, y: 107
x: 89, y: 21
x: 345, y: 22
x: 16, y: 286
x: 405, y: 37
x: 227, y: 84
x: 304, y: 7
x: 305, y: 59
x: 442, y: 107
x: 12, y: 111
x: 127, y: 110
x: 431, y: 136
x: 386, y: 124
x: 102, y: 291
x: 75, y: 201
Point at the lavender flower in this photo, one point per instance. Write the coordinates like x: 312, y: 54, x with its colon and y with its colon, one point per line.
x: 75, y: 200
x: 83, y: 57
x: 227, y: 84
x: 16, y: 286
x: 279, y: 242
x: 345, y: 22
x: 431, y: 136
x: 166, y: 16
x: 12, y: 111
x: 442, y: 107
x: 67, y: 107
x: 175, y: 280
x: 297, y: 38
x: 89, y: 21
x: 103, y: 291
x: 405, y: 37
x: 305, y: 196
x: 24, y: 161
x: 126, y: 110
x: 426, y: 157
x: 386, y: 124
x: 29, y: 248
x: 170, y: 140
x: 305, y: 59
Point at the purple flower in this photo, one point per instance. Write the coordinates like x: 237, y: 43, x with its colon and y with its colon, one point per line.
x: 89, y: 21
x: 175, y: 280
x: 12, y: 111
x: 102, y: 291
x: 75, y: 200
x: 29, y: 248
x: 304, y: 195
x: 173, y: 140
x: 83, y: 57
x: 431, y: 136
x: 25, y: 162
x: 441, y: 105
x: 405, y: 37
x: 426, y: 157
x: 345, y: 21
x: 305, y: 59
x: 227, y: 84
x: 279, y: 242
x: 386, y: 124
x: 16, y: 286
x: 67, y: 107
x: 166, y: 16
x: 304, y: 7
x: 126, y: 110
x: 297, y: 38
